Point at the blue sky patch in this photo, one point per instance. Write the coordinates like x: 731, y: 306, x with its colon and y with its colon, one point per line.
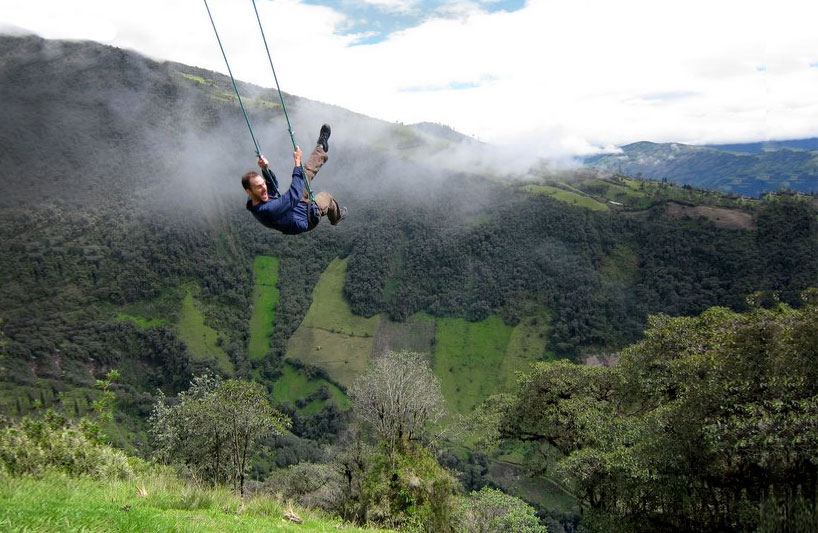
x: 375, y: 22
x: 451, y: 86
x: 813, y: 64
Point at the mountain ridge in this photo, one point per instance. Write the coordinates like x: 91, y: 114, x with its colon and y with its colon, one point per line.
x: 750, y: 169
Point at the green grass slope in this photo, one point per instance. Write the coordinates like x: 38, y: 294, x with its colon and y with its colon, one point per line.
x: 577, y: 198
x: 472, y: 359
x: 265, y: 298
x: 330, y: 336
x: 202, y: 340
x: 477, y: 359
x: 294, y: 385
x: 58, y: 503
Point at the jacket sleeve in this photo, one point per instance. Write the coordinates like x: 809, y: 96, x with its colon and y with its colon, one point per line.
x: 297, y: 186
x: 270, y: 179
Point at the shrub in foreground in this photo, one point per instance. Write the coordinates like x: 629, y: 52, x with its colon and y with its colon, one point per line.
x: 34, y: 446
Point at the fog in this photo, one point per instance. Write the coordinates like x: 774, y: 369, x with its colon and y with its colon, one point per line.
x: 95, y: 124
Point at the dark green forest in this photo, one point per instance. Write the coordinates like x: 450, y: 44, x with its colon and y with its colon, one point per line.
x: 120, y: 195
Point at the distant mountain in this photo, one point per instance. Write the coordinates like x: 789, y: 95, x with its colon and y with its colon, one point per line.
x: 748, y: 169
x: 443, y: 131
x: 766, y: 146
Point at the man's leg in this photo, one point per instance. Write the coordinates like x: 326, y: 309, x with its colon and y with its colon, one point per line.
x: 328, y: 207
x: 317, y: 158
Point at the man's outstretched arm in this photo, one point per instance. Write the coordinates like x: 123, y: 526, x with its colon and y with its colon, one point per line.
x: 269, y: 176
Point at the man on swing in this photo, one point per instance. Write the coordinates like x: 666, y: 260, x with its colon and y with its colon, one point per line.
x: 293, y: 212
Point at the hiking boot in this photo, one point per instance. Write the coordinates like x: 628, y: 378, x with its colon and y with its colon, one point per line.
x: 323, y: 137
x: 343, y: 211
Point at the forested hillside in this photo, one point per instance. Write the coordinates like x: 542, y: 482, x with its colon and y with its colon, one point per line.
x: 120, y: 197
x: 126, y: 243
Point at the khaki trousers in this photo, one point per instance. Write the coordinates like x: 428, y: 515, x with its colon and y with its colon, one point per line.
x: 326, y: 204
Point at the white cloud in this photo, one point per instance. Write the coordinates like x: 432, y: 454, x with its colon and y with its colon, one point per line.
x: 564, y: 75
x: 393, y: 6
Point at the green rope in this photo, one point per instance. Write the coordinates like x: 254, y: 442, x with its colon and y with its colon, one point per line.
x: 281, y: 97
x: 232, y: 79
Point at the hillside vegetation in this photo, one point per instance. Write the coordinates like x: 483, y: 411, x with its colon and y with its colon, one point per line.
x: 127, y: 246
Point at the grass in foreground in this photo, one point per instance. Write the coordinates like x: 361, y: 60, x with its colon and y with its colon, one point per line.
x: 60, y: 503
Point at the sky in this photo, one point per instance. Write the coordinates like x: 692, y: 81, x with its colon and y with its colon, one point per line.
x: 556, y: 76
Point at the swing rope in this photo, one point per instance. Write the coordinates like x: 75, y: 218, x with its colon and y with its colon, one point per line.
x: 232, y: 79
x: 281, y: 98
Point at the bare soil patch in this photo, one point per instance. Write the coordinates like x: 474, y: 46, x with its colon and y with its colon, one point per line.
x: 722, y: 217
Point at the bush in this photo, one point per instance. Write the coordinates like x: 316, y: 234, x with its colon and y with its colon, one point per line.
x: 35, y: 446
x: 410, y: 490
x: 309, y: 485
x: 493, y: 511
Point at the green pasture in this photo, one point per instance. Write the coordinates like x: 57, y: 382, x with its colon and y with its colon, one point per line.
x: 202, y: 341
x: 472, y: 359
x: 527, y: 344
x: 568, y: 197
x: 477, y: 359
x: 331, y: 336
x: 265, y: 299
x: 293, y: 385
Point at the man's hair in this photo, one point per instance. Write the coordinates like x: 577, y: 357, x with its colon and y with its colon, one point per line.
x: 245, y: 179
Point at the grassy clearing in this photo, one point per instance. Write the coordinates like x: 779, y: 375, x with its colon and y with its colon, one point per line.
x: 59, y: 503
x: 201, y: 340
x: 476, y: 359
x: 265, y: 299
x: 417, y: 334
x: 472, y: 359
x: 293, y: 385
x: 142, y: 322
x: 333, y: 312
x: 468, y: 358
x: 331, y: 336
x: 567, y: 197
x: 151, y: 313
x: 527, y: 344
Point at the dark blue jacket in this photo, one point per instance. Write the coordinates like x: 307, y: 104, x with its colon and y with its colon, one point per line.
x: 285, y: 213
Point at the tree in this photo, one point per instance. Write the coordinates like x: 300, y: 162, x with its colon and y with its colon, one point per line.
x: 398, y: 395
x: 248, y: 417
x: 213, y: 427
x: 400, y: 483
x: 708, y: 424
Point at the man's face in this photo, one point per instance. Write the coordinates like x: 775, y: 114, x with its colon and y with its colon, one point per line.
x: 258, y: 190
